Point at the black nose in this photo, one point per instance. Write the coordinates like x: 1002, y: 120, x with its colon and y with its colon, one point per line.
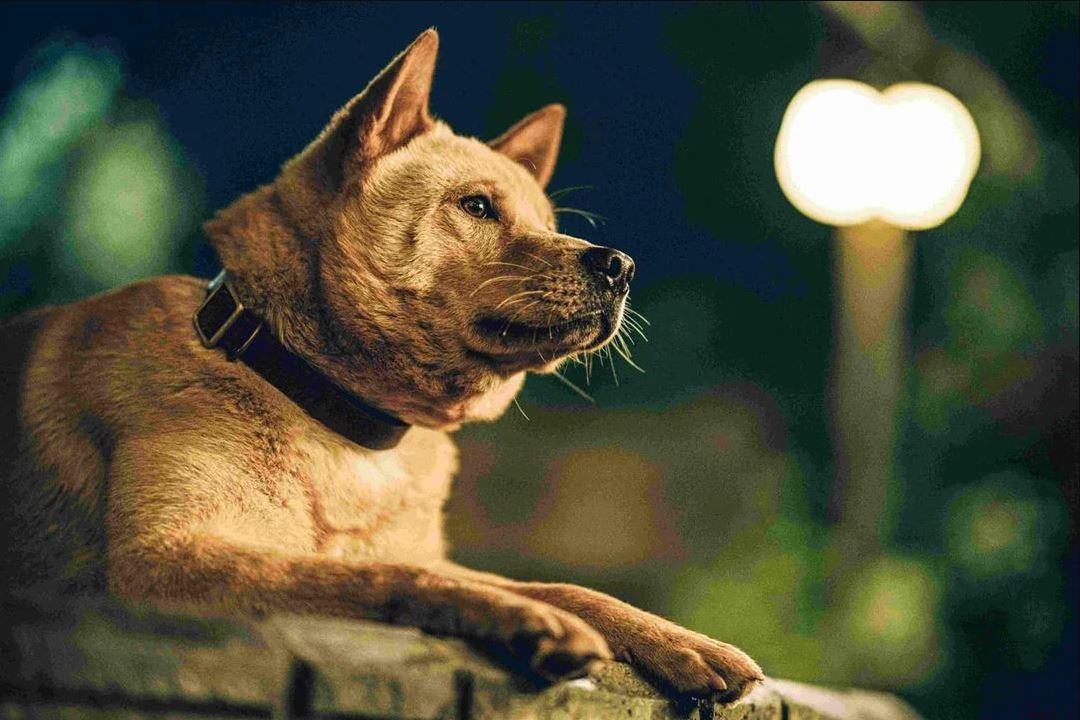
x: 609, y: 265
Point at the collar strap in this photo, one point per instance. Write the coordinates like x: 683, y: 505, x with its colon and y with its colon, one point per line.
x: 222, y: 321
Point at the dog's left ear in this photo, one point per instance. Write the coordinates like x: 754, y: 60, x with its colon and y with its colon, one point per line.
x: 534, y: 141
x: 391, y: 110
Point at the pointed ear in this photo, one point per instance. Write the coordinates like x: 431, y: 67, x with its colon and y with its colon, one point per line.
x: 395, y: 104
x: 534, y: 141
x: 391, y: 110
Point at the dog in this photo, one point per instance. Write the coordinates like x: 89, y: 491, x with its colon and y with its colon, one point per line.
x: 279, y: 440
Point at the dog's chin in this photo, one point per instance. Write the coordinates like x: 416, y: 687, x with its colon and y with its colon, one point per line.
x: 512, y: 346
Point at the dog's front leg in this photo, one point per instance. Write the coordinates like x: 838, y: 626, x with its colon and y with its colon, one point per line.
x: 681, y: 660
x: 183, y: 531
x: 217, y: 574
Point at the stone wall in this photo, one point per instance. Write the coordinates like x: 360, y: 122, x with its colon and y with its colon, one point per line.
x: 100, y: 659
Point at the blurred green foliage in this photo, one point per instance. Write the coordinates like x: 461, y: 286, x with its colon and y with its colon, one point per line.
x: 70, y: 90
x: 95, y: 193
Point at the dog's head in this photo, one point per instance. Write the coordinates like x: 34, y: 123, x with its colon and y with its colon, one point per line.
x: 421, y: 268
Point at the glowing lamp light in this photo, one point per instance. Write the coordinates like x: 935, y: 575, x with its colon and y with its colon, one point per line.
x: 847, y: 153
x: 876, y: 165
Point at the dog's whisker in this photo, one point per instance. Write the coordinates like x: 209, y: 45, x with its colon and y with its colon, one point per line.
x: 590, y: 217
x: 523, y: 293
x: 573, y: 387
x: 514, y: 265
x: 582, y: 359
x: 637, y: 315
x: 621, y: 348
x: 547, y: 321
x: 516, y: 301
x: 555, y: 194
x: 496, y: 279
x: 513, y: 317
x: 633, y: 325
x: 523, y: 309
x: 540, y: 259
x: 518, y: 405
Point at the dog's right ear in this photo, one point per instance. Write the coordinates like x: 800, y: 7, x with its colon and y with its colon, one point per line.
x: 391, y: 110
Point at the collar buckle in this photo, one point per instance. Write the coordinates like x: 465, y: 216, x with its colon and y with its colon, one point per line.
x: 219, y: 313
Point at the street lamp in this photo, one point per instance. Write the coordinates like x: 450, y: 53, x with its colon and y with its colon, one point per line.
x: 875, y: 165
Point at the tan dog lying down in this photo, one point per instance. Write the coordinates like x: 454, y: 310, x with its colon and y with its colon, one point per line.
x: 232, y: 463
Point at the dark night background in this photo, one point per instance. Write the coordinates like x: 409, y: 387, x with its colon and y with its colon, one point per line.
x: 701, y: 488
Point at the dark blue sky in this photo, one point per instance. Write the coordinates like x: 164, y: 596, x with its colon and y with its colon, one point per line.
x: 243, y: 86
x: 651, y: 89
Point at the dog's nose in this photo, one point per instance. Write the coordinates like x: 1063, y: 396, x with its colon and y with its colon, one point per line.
x: 611, y: 266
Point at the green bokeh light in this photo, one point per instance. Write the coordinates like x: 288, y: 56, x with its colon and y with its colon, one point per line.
x: 759, y: 593
x: 996, y: 529
x: 992, y: 309
x: 888, y: 624
x: 73, y: 89
x: 125, y: 207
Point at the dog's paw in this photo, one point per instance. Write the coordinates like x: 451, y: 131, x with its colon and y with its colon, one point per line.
x: 553, y: 643
x: 689, y: 663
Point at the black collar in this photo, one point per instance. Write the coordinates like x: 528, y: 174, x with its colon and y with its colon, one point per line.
x: 223, y: 321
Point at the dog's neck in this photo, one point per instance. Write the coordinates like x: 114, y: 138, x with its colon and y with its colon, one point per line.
x: 270, y: 254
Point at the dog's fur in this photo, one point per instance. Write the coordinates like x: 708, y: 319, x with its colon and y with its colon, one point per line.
x: 142, y: 463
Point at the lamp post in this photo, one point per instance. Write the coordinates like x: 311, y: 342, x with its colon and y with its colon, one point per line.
x: 876, y: 165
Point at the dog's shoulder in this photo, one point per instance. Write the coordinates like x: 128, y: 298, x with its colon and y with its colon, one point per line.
x: 115, y: 361
x: 144, y: 328
x: 114, y: 320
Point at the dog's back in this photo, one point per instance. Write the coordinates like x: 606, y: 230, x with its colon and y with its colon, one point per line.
x: 21, y: 539
x: 59, y: 365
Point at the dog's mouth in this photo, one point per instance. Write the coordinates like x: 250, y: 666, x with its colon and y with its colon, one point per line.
x: 510, y: 332
x: 521, y: 344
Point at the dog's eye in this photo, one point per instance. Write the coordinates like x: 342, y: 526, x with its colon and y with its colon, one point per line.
x: 478, y: 206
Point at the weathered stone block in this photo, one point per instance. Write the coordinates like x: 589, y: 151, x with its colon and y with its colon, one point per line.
x: 807, y: 702
x: 52, y: 711
x: 105, y: 649
x: 371, y: 670
x: 105, y: 660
